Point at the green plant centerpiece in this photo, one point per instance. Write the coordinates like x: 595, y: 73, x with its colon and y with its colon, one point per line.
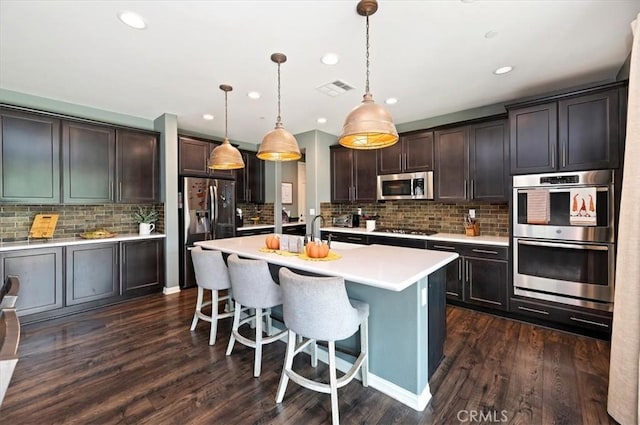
x: 148, y: 216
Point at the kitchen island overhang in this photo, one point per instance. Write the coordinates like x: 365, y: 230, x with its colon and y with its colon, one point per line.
x: 396, y: 283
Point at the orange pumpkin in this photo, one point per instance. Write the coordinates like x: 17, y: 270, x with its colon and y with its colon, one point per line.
x: 273, y: 242
x: 323, y: 250
x: 312, y: 250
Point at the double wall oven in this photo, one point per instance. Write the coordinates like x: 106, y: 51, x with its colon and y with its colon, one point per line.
x: 563, y: 238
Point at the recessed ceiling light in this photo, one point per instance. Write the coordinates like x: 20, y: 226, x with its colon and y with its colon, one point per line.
x: 322, y: 120
x: 503, y: 70
x: 391, y: 101
x: 330, y: 59
x: 207, y: 117
x: 253, y: 95
x: 132, y: 19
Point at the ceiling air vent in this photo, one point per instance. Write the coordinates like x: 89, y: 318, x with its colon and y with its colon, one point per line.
x: 335, y: 88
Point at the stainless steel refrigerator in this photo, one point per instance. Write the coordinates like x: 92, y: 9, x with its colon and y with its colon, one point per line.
x: 206, y: 210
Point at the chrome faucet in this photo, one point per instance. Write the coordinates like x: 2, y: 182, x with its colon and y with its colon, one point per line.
x: 313, y: 225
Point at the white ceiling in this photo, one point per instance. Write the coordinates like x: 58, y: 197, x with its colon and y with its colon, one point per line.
x: 432, y: 55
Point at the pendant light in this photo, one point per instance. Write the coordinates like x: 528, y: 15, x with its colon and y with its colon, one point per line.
x: 279, y: 144
x: 368, y: 125
x: 225, y: 156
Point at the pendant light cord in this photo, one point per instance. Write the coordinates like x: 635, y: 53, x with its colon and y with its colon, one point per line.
x: 278, y: 119
x: 226, y: 115
x: 367, y: 56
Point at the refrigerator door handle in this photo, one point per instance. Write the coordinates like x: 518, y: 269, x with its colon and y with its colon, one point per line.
x: 213, y: 192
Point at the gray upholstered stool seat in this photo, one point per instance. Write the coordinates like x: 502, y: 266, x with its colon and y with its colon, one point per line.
x: 211, y: 274
x: 318, y: 308
x: 253, y: 288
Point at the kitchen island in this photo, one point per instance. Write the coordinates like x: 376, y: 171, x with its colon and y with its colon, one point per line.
x: 404, y: 288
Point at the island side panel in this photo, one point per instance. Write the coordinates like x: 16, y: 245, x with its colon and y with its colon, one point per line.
x: 397, y: 334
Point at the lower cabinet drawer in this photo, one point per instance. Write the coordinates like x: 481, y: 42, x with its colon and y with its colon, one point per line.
x: 345, y: 237
x: 596, y: 321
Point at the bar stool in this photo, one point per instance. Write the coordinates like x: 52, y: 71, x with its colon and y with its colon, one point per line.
x: 253, y: 288
x: 318, y: 308
x: 211, y: 274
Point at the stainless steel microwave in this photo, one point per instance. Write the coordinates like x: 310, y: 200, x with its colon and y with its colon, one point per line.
x: 405, y: 186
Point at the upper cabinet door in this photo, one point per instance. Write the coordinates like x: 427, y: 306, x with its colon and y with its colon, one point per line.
x: 341, y: 174
x: 588, y: 129
x: 488, y: 153
x: 365, y: 183
x: 412, y: 153
x: 450, y: 177
x: 138, y: 167
x: 194, y: 155
x: 255, y: 178
x: 418, y: 152
x: 88, y: 153
x: 29, y: 158
x: 534, y: 139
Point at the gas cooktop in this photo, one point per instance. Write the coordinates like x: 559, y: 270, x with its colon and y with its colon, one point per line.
x: 406, y: 231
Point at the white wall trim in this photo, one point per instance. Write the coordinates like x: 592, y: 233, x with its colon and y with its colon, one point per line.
x: 171, y: 290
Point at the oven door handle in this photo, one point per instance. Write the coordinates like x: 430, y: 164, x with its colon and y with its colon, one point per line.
x: 565, y: 245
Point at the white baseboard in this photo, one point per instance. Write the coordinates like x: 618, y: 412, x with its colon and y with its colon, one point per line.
x: 171, y: 290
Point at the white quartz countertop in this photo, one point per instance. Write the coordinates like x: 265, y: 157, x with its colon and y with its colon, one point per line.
x: 445, y: 237
x: 50, y: 243
x: 381, y: 266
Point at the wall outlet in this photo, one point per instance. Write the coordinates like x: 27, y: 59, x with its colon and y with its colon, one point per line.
x: 472, y: 213
x: 312, y: 211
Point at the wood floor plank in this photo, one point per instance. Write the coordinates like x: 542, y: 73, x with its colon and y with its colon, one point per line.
x: 138, y: 363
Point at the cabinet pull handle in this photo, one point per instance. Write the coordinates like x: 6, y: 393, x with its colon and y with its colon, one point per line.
x: 460, y: 270
x: 533, y: 310
x: 485, y: 251
x: 553, y: 157
x: 471, y: 192
x: 590, y: 322
x: 466, y: 265
x: 455, y: 294
x: 445, y: 247
x: 354, y: 238
x: 465, y: 189
x: 111, y: 189
x: 564, y: 156
x: 120, y: 190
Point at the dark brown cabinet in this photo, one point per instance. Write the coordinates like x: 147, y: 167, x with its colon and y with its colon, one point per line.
x: 479, y: 276
x: 470, y: 163
x: 88, y: 162
x: 91, y: 272
x: 194, y: 158
x: 138, y: 167
x: 29, y: 158
x: 576, y: 131
x: 142, y: 266
x: 250, y: 179
x: 41, y: 279
x: 488, y: 161
x: 412, y: 153
x: 353, y: 175
x: 451, y: 173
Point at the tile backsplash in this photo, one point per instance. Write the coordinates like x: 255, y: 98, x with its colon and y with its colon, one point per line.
x: 427, y: 215
x: 16, y: 220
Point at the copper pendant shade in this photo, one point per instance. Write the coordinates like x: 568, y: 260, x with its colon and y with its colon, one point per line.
x: 225, y: 156
x: 368, y: 125
x: 279, y: 144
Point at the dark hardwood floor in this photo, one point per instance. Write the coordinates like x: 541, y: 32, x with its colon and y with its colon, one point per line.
x: 138, y: 363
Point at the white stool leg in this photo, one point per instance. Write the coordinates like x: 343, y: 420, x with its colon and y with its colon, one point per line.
x: 364, y: 348
x: 258, y: 355
x: 314, y: 354
x: 214, y: 317
x: 268, y: 321
x: 234, y: 328
x: 194, y: 323
x: 288, y: 362
x: 333, y: 384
